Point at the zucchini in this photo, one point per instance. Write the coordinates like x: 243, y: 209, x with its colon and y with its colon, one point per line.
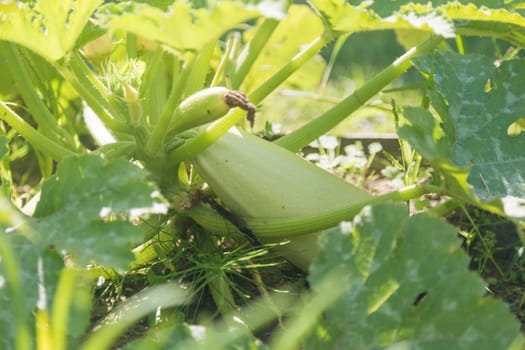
x: 206, y: 106
x: 258, y: 179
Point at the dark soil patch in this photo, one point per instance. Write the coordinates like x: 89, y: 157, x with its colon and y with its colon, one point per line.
x: 496, y: 248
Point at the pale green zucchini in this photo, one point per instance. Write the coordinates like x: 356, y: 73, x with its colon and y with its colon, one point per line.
x: 257, y: 179
x: 206, y: 106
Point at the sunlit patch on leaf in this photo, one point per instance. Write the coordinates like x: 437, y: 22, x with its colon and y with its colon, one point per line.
x: 516, y: 128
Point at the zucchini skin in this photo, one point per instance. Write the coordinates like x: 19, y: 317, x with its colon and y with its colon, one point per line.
x: 258, y: 179
x: 206, y: 106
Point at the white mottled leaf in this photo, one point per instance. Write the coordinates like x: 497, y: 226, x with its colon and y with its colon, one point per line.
x: 482, y: 101
x: 407, y: 286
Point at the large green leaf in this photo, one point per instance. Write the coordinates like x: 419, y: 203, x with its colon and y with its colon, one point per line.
x: 476, y: 120
x: 49, y: 28
x: 447, y: 18
x: 82, y: 208
x: 406, y: 286
x: 181, y: 27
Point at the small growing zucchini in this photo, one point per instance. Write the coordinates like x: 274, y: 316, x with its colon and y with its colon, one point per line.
x: 208, y: 105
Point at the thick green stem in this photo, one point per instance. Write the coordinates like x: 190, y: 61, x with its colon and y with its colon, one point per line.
x: 321, y: 125
x: 199, y: 69
x: 39, y: 141
x: 94, y: 99
x: 215, y: 130
x: 86, y: 76
x: 152, y: 87
x: 191, y: 80
x: 252, y: 50
x: 156, y: 139
x: 20, y: 74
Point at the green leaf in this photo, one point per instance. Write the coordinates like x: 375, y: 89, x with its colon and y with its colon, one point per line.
x: 488, y: 18
x: 47, y: 27
x: 28, y: 277
x: 189, y: 337
x: 447, y: 18
x: 82, y: 208
x: 27, y: 255
x: 181, y: 27
x: 385, y: 9
x: 407, y: 286
x: 425, y: 134
x: 477, y: 120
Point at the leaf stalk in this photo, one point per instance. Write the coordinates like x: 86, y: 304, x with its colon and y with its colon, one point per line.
x: 37, y: 139
x: 324, y: 123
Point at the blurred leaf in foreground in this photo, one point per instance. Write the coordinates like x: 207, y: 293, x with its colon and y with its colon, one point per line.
x: 407, y: 286
x: 181, y: 27
x: 445, y: 18
x: 49, y: 28
x: 85, y: 209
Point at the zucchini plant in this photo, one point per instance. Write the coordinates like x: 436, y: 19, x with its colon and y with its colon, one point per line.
x: 125, y: 156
